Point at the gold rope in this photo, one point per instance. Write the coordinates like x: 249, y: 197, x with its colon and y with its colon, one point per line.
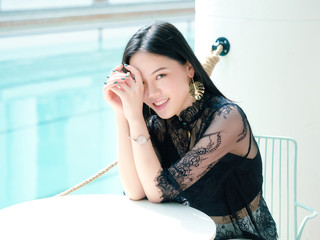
x: 208, y: 65
x: 88, y: 180
x: 211, y: 60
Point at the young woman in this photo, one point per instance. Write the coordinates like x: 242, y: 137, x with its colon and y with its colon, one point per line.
x: 180, y: 139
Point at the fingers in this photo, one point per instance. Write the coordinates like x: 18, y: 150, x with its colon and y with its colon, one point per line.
x: 116, y: 79
x: 136, y: 74
x: 117, y: 89
x: 117, y: 69
x: 123, y: 80
x: 123, y: 85
x: 115, y: 72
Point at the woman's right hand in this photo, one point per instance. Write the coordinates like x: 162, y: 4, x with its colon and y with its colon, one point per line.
x: 116, y: 76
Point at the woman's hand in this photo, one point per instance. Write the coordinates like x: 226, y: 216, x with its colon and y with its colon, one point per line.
x: 116, y: 76
x: 131, y: 92
x: 124, y: 92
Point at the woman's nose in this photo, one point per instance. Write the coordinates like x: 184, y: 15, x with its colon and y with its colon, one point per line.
x: 152, y: 91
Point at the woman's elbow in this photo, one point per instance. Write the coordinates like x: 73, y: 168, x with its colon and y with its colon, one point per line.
x: 136, y: 197
x: 154, y: 199
x: 141, y: 197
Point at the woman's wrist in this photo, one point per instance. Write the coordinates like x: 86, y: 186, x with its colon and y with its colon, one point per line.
x: 122, y: 122
x: 137, y: 127
x: 120, y: 117
x: 137, y: 121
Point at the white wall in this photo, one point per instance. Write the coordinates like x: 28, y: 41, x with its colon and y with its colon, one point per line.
x: 272, y: 71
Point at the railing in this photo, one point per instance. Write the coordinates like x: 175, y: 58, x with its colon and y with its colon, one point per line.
x: 98, y: 16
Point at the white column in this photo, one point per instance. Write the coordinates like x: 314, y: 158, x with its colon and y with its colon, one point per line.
x: 272, y: 71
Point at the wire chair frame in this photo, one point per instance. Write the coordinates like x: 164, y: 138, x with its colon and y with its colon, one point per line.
x: 279, y: 157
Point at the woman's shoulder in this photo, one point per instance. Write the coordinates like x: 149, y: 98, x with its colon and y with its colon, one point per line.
x: 216, y: 102
x: 220, y: 105
x: 226, y: 114
x: 228, y: 118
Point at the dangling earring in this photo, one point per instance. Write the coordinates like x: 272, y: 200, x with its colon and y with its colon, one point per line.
x: 196, y: 90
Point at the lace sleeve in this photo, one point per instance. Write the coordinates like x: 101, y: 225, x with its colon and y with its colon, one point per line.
x: 226, y: 130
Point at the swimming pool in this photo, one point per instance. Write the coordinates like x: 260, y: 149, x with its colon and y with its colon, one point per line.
x: 55, y: 128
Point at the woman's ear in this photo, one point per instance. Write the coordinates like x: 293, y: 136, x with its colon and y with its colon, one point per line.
x: 190, y: 69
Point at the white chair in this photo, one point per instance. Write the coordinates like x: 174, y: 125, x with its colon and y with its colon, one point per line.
x: 279, y: 156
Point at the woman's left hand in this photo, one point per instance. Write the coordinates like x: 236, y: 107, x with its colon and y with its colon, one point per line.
x: 131, y: 93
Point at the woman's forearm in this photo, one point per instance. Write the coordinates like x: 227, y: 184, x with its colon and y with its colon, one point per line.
x: 146, y: 161
x: 128, y: 174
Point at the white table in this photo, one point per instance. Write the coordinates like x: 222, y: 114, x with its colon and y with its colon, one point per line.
x: 103, y: 217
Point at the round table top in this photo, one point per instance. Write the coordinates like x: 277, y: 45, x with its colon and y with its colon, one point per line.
x: 103, y: 217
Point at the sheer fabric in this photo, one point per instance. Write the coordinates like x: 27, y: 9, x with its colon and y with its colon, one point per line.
x: 204, y: 155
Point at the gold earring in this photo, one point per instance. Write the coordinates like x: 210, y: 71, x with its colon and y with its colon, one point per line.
x: 196, y: 90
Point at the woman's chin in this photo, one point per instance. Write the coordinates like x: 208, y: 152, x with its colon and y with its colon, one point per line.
x: 164, y: 115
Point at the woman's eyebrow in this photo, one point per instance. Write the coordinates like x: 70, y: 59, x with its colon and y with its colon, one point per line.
x: 161, y: 68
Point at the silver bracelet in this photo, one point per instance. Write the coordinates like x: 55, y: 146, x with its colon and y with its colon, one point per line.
x: 141, y: 139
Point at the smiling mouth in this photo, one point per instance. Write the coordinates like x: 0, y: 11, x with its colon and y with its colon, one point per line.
x: 161, y: 102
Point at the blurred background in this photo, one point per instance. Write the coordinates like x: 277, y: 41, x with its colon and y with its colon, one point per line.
x: 55, y: 128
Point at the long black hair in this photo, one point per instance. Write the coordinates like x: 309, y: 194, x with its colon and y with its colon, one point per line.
x: 165, y: 39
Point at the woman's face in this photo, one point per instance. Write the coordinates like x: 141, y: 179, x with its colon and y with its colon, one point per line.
x: 166, y: 83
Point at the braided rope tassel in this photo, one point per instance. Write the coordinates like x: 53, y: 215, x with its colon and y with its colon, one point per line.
x: 211, y: 60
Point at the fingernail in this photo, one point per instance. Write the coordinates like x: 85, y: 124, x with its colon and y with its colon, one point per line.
x: 123, y: 78
x: 105, y: 82
x: 108, y: 76
x: 115, y: 82
x: 125, y: 65
x: 113, y: 70
x: 127, y: 75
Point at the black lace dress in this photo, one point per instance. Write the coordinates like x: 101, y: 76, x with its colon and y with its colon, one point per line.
x: 199, y: 169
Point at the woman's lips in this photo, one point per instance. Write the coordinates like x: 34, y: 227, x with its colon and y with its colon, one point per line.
x: 160, y: 104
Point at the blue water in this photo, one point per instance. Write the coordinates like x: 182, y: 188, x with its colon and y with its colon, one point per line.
x: 55, y: 128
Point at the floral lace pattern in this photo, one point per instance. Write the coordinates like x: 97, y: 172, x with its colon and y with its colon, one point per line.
x: 257, y: 225
x: 199, y: 170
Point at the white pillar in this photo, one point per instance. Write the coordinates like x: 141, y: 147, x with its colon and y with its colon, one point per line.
x: 272, y: 71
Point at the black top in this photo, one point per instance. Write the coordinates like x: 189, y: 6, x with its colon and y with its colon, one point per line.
x: 199, y: 170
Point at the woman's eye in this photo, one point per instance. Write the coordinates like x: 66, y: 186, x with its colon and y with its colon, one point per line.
x: 160, y: 76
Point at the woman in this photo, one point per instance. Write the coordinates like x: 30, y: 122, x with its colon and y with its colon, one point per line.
x: 180, y: 139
